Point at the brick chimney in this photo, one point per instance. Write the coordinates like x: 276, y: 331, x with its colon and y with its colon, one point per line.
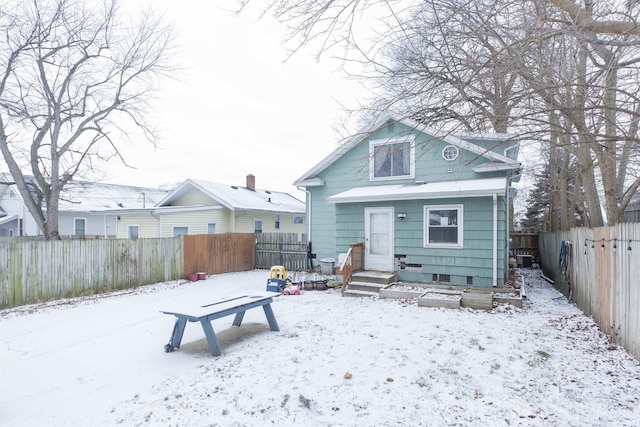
x: 251, y: 182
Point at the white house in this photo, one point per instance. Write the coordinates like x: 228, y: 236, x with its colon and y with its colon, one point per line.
x: 202, y: 207
x: 85, y: 208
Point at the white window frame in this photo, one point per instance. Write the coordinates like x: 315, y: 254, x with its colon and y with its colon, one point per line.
x: 75, y: 227
x: 210, y: 226
x: 255, y: 228
x: 459, y: 225
x: 131, y: 226
x: 374, y: 143
x: 298, y: 219
x: 509, y: 150
x: 180, y: 226
x: 277, y: 222
x: 448, y: 147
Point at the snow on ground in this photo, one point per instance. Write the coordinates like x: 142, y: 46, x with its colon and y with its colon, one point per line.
x: 336, y: 361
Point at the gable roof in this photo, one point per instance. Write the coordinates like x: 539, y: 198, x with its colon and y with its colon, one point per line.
x: 238, y: 198
x: 84, y: 196
x: 309, y: 179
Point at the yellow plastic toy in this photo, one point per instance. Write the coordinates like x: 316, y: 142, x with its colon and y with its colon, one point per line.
x: 277, y: 279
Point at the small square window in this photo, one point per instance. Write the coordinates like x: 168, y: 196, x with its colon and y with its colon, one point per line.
x: 298, y: 219
x: 180, y: 231
x: 134, y: 231
x: 392, y: 158
x: 211, y: 228
x: 79, y: 227
x: 445, y: 278
x: 443, y: 226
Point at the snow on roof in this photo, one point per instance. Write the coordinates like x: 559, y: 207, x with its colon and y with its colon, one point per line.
x: 420, y: 191
x: 240, y: 198
x: 94, y: 196
x: 453, y: 139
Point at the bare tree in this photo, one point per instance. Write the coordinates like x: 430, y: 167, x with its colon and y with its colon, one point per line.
x: 546, y: 70
x: 72, y: 76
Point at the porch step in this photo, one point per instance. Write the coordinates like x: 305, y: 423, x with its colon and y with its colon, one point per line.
x: 365, y: 286
x: 374, y: 277
x: 368, y: 283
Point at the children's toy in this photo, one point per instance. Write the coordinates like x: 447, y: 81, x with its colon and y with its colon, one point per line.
x: 291, y: 289
x: 278, y: 279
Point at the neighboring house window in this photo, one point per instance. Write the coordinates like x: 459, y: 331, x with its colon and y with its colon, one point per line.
x: 134, y: 231
x: 298, y: 219
x: 257, y: 225
x: 277, y: 222
x: 180, y: 231
x: 443, y: 226
x: 511, y: 152
x: 11, y: 232
x: 392, y: 158
x: 12, y: 194
x: 211, y: 228
x: 450, y: 152
x: 79, y: 226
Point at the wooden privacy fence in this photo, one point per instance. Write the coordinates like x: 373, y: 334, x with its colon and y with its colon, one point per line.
x: 524, y: 242
x: 218, y: 253
x: 37, y: 271
x: 281, y: 249
x: 599, y: 270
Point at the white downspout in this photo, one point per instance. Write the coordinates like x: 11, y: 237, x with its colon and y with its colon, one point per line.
x: 495, y: 240
x: 308, y: 205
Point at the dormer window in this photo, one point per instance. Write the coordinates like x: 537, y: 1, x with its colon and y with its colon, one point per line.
x: 391, y: 158
x: 450, y: 153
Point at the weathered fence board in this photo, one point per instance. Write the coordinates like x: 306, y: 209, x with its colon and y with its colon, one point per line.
x: 218, y: 253
x: 604, y: 278
x: 281, y: 249
x: 524, y: 243
x: 37, y: 271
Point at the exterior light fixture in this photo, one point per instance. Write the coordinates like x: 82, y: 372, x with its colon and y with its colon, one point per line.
x: 402, y: 216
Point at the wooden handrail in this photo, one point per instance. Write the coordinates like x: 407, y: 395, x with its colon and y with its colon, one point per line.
x: 352, y: 263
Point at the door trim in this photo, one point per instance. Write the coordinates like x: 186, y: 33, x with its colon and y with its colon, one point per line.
x: 382, y: 262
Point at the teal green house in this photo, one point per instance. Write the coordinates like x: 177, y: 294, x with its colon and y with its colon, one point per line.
x: 428, y: 206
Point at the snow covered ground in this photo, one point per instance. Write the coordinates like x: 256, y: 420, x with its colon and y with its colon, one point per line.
x: 336, y: 361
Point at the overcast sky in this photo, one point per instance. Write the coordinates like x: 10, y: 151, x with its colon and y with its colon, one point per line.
x: 238, y: 108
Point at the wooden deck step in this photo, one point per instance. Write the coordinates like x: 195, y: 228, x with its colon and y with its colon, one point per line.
x: 366, y: 286
x: 374, y: 277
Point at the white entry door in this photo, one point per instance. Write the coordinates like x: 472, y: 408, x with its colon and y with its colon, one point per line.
x: 378, y: 230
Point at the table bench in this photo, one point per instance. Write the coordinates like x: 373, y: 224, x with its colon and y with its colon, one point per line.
x: 204, y: 314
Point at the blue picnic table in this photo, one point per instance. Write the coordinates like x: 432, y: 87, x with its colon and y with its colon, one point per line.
x: 204, y: 314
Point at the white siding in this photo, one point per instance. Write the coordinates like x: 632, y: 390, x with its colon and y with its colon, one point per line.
x: 149, y: 225
x: 96, y: 224
x: 245, y: 223
x: 14, y: 206
x: 195, y: 198
x: 196, y: 221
